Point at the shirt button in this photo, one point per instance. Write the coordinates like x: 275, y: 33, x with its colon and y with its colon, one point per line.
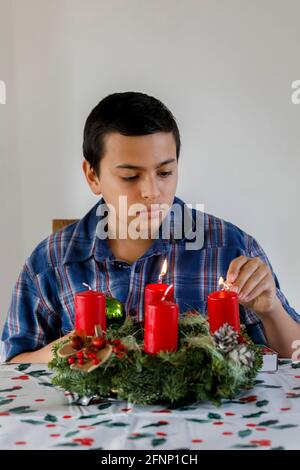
x: 137, y: 269
x: 118, y: 266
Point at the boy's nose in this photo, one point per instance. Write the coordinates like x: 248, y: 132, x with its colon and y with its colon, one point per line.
x: 150, y: 190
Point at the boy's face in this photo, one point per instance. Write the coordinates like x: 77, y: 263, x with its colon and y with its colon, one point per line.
x: 142, y: 168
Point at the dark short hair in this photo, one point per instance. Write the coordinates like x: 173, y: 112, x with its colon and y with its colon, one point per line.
x: 130, y: 113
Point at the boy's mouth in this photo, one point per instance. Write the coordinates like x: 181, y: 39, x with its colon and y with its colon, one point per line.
x: 151, y: 212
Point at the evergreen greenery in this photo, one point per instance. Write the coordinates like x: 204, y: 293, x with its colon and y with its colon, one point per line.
x: 199, y: 370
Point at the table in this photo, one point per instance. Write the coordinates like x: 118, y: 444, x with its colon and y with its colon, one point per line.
x: 36, y: 415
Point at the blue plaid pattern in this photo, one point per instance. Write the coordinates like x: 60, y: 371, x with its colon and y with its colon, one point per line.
x: 42, y: 304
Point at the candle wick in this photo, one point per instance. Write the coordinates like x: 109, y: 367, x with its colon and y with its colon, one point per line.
x: 166, y: 292
x: 86, y: 285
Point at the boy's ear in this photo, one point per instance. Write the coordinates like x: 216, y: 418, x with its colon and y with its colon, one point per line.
x: 91, y: 177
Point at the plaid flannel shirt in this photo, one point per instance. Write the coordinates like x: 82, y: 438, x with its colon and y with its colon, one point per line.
x: 42, y: 304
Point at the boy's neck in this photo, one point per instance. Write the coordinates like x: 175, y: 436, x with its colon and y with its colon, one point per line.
x: 129, y: 250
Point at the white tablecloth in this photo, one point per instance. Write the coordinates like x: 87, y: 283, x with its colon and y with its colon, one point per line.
x: 36, y: 415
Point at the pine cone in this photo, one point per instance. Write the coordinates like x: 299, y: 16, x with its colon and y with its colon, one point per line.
x: 226, y: 338
x: 243, y: 355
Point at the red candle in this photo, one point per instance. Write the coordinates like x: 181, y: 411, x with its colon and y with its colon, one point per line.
x: 223, y: 307
x: 161, y: 327
x: 90, y: 310
x: 155, y: 292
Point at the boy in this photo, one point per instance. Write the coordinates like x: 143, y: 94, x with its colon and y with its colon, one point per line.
x: 131, y: 149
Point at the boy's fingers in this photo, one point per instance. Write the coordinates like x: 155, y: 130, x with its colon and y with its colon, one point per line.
x: 234, y: 268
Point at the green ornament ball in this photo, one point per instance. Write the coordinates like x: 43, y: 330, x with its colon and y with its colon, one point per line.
x: 115, y: 313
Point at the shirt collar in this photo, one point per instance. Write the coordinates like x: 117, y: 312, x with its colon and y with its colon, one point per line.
x: 85, y: 243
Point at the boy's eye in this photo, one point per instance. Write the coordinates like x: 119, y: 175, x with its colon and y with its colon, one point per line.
x: 163, y: 174
x: 129, y: 178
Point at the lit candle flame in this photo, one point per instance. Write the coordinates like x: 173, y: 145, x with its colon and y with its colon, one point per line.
x: 163, y: 270
x: 166, y: 292
x: 224, y: 285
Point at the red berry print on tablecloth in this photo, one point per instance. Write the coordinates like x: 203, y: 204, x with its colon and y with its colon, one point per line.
x: 261, y: 442
x: 84, y: 441
x: 20, y: 377
x: 249, y: 399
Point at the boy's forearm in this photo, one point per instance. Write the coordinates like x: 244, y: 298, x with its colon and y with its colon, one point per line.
x: 281, y: 330
x: 41, y: 356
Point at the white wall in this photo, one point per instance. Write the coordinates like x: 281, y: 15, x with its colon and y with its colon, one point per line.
x: 11, y: 234
x: 224, y: 68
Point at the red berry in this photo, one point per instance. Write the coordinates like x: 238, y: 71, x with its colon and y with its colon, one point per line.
x: 116, y: 342
x: 79, y: 354
x: 99, y: 343
x: 81, y: 361
x: 120, y: 351
x: 91, y: 355
x: 71, y: 360
x: 120, y: 355
x: 96, y: 361
x: 242, y: 339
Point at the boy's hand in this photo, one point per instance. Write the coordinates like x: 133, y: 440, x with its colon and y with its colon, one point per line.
x: 254, y: 282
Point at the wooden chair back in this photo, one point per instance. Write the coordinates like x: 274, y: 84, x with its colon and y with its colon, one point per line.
x: 58, y: 224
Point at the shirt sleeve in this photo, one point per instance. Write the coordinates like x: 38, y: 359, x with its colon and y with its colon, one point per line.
x: 31, y: 322
x: 257, y: 251
x: 252, y: 321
